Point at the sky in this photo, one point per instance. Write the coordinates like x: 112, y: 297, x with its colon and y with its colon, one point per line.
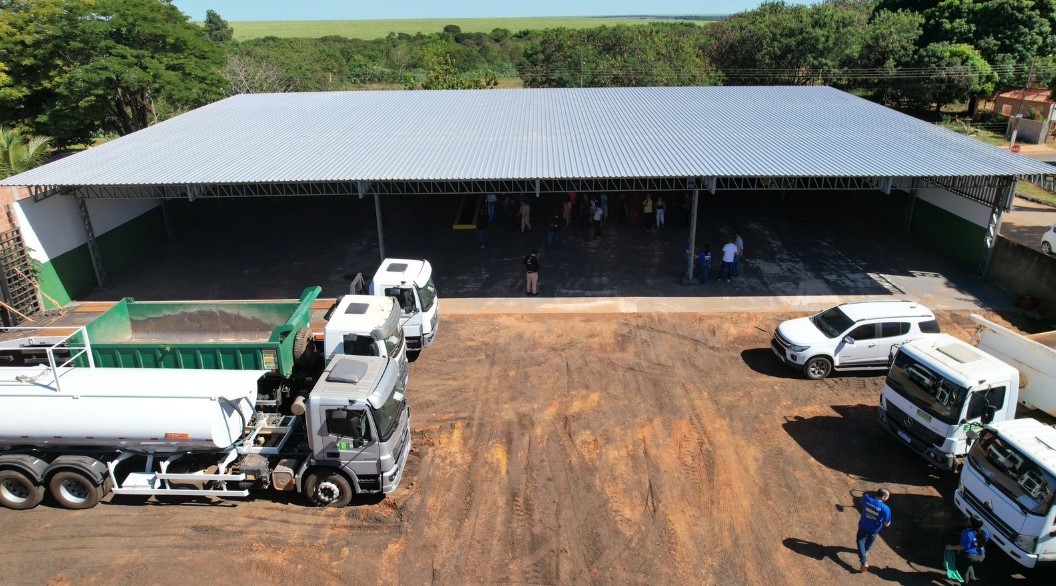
x: 235, y: 10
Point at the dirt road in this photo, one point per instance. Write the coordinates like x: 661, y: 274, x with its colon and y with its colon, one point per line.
x: 558, y: 449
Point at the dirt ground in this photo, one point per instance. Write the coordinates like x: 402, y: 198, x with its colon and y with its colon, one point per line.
x: 559, y: 449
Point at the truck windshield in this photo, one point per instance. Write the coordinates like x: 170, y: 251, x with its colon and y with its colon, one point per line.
x: 933, y: 393
x: 1018, y: 477
x: 394, y: 341
x: 427, y: 294
x: 832, y: 322
x: 388, y: 415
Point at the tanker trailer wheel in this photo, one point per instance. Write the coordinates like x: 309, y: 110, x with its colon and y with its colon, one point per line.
x: 73, y: 491
x: 328, y: 489
x: 303, y: 347
x: 19, y: 492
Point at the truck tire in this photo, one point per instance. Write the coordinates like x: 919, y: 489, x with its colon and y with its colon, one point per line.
x: 328, y: 489
x: 72, y: 490
x: 303, y: 347
x: 817, y: 368
x: 18, y: 491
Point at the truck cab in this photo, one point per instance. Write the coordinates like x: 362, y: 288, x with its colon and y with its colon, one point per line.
x: 938, y: 389
x: 411, y: 283
x: 1009, y: 482
x: 366, y: 325
x: 358, y: 427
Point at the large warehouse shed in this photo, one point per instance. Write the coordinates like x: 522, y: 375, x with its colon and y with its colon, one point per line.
x: 87, y: 214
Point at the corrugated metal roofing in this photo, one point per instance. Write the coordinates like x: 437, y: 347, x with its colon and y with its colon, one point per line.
x: 532, y: 134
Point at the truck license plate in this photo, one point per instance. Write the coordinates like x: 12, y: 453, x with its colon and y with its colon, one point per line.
x: 905, y: 437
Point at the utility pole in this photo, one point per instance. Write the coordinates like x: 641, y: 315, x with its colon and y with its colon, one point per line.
x: 1019, y: 113
x: 582, y: 65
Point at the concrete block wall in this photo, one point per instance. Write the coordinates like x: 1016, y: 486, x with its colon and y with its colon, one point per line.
x: 1024, y: 270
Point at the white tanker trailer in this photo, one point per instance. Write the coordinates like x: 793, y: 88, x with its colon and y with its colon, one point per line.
x: 79, y: 433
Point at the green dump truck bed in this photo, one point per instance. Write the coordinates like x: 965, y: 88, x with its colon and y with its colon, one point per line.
x: 235, y: 335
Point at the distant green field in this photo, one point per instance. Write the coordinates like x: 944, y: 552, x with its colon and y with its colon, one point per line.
x: 374, y: 29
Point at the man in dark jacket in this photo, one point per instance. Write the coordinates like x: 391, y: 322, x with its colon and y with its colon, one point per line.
x: 532, y: 263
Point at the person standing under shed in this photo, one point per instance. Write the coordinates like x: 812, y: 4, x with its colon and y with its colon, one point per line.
x: 599, y: 220
x: 740, y: 251
x: 482, y: 228
x: 525, y: 213
x: 531, y: 262
x: 647, y: 212
x: 492, y: 200
x: 705, y: 263
x: 661, y: 210
x: 875, y: 516
x: 729, y: 257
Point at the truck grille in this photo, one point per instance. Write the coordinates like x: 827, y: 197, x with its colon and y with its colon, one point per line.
x: 988, y: 515
x: 913, y: 426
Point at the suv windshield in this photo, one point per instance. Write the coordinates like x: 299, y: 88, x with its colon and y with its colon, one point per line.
x: 933, y: 393
x: 832, y: 322
x: 1015, y: 475
x: 427, y: 294
x: 386, y: 417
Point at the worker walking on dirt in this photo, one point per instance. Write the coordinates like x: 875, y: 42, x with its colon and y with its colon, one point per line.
x: 875, y: 516
x: 972, y: 548
x: 532, y: 263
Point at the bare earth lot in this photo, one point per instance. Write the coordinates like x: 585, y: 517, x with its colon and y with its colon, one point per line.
x: 556, y: 449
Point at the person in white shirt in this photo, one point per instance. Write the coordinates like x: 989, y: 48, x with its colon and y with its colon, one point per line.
x: 492, y: 200
x: 729, y: 260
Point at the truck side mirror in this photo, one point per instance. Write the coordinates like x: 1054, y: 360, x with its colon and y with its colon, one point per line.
x: 988, y: 413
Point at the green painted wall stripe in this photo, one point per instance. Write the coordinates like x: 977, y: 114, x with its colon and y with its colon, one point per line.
x: 70, y: 275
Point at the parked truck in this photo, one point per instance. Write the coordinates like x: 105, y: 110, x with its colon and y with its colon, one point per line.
x: 80, y: 432
x: 411, y: 283
x: 939, y: 390
x: 275, y: 336
x: 1009, y: 482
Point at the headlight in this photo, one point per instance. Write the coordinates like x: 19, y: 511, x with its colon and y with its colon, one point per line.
x: 1026, y: 542
x: 795, y: 348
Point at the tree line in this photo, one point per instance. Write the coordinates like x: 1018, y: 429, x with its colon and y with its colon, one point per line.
x: 80, y: 70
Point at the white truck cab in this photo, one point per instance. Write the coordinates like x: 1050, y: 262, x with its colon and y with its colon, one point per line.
x: 366, y: 325
x: 851, y: 336
x: 1009, y: 482
x: 411, y: 283
x: 938, y: 389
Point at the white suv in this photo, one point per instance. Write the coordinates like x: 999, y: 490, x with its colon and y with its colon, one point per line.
x: 1048, y: 240
x: 851, y: 336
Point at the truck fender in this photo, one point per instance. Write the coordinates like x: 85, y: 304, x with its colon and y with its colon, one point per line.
x: 90, y: 467
x: 32, y: 466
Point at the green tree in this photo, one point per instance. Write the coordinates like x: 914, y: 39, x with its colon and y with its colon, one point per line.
x: 17, y: 154
x: 217, y: 28
x: 81, y: 67
x: 951, y: 72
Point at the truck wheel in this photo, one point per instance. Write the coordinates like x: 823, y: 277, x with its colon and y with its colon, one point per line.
x: 817, y: 368
x: 19, y: 492
x: 328, y: 489
x: 303, y: 347
x: 73, y: 491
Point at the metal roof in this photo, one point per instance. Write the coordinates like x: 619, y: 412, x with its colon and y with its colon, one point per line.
x: 780, y: 131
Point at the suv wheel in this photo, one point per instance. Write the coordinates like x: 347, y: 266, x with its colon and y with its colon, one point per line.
x: 817, y: 368
x: 1046, y: 248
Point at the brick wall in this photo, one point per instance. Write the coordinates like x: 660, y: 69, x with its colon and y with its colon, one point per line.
x: 8, y: 196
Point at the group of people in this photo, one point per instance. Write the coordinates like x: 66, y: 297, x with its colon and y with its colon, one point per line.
x: 876, y: 514
x: 732, y: 253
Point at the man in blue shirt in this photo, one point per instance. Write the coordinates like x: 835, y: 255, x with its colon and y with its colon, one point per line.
x: 973, y: 546
x: 875, y: 516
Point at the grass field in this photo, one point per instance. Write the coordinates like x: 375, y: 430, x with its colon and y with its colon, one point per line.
x: 374, y: 29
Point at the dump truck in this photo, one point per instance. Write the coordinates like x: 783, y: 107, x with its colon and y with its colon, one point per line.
x: 81, y: 432
x: 274, y: 336
x: 939, y: 390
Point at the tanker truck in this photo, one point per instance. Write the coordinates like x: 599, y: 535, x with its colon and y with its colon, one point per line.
x: 79, y: 433
x: 939, y: 390
x: 275, y: 336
